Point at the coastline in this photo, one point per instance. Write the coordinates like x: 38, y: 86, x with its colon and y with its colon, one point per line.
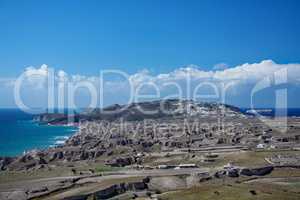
x: 25, y: 135
x: 60, y: 139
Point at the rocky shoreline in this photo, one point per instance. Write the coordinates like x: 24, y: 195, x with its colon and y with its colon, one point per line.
x: 193, y: 126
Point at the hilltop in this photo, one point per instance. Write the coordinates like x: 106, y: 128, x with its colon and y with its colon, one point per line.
x: 140, y: 111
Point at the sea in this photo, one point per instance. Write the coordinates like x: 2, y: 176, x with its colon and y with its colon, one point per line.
x: 271, y: 112
x: 19, y: 133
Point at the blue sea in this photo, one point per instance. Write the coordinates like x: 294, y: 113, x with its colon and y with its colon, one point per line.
x: 271, y: 112
x: 18, y: 133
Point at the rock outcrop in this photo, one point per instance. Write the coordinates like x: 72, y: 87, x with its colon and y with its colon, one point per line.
x: 257, y: 171
x: 5, y: 161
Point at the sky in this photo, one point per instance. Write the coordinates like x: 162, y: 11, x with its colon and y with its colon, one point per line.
x: 146, y: 37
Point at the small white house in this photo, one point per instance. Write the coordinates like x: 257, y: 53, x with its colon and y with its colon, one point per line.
x: 228, y: 166
x: 261, y: 146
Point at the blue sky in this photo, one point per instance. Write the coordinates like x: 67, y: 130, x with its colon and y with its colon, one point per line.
x: 132, y: 35
x: 82, y: 38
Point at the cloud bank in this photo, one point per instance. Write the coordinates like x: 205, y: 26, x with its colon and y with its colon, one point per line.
x: 118, y: 87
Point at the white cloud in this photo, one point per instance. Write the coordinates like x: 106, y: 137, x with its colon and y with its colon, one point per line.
x: 62, y: 75
x: 240, y: 76
x: 246, y: 73
x: 32, y: 71
x: 220, y: 66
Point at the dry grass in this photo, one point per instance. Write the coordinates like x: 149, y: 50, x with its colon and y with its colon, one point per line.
x: 235, y: 191
x: 89, y: 188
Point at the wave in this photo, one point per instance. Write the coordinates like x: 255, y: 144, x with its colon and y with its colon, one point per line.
x: 61, y: 137
x: 72, y: 130
x: 58, y: 142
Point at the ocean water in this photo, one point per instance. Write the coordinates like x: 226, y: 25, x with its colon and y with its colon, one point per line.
x: 271, y: 112
x: 18, y: 133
